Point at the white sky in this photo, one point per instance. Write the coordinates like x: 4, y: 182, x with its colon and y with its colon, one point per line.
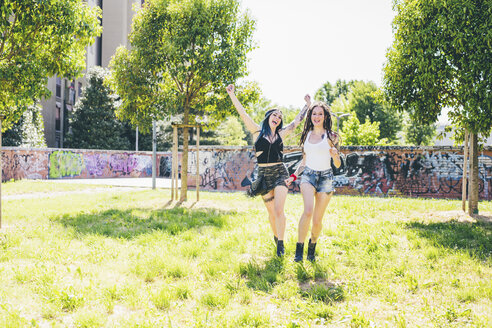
x: 303, y: 44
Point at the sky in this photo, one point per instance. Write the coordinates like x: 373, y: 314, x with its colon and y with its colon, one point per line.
x: 303, y: 44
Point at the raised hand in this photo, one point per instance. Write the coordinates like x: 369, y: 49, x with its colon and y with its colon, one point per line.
x: 307, y: 99
x: 230, y: 89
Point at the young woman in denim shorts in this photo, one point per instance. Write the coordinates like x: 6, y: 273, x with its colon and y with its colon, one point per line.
x: 269, y: 154
x: 319, y: 147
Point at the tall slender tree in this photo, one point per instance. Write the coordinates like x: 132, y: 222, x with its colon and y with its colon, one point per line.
x: 183, y: 55
x: 441, y: 57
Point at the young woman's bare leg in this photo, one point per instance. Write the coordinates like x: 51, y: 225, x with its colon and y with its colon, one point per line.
x: 307, y: 192
x: 322, y: 200
x: 268, y: 199
x: 279, y: 203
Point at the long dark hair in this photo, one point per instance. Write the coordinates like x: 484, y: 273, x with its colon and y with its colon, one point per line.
x: 327, y: 123
x: 265, y: 127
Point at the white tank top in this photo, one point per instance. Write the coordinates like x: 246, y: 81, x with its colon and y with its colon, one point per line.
x: 318, y: 156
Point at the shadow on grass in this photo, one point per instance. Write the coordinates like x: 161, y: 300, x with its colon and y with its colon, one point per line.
x: 475, y: 238
x: 313, y: 284
x: 262, y: 277
x: 133, y: 222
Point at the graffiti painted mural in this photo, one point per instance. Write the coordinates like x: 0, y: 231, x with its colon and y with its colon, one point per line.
x: 96, y: 164
x: 21, y: 163
x: 24, y: 164
x: 414, y: 172
x: 65, y: 164
x: 380, y: 171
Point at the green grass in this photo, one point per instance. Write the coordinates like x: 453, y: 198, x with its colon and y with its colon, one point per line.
x: 130, y: 258
x: 43, y: 186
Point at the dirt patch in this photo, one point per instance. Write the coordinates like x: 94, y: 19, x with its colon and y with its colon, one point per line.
x: 326, y: 284
x: 459, y: 216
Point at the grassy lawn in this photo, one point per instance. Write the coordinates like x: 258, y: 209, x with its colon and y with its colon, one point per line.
x: 40, y: 186
x: 133, y: 259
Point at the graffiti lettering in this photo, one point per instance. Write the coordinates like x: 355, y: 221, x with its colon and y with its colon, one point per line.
x: 65, y: 164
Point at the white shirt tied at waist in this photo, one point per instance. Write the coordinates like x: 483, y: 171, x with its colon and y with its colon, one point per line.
x: 318, y: 156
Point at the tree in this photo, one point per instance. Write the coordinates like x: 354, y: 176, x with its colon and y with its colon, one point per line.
x: 231, y: 133
x: 183, y: 55
x: 93, y: 122
x: 40, y: 39
x: 328, y: 92
x: 367, y: 134
x: 28, y: 132
x: 362, y: 100
x: 419, y: 134
x: 440, y: 57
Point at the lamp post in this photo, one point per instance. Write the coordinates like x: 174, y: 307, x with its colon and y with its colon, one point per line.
x: 340, y: 115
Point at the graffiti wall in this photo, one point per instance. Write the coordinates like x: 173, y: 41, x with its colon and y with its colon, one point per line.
x: 382, y: 171
x: 24, y: 164
x: 20, y: 163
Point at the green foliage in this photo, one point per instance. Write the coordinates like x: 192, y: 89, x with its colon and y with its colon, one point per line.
x: 28, y: 132
x: 231, y: 133
x: 328, y: 92
x: 183, y: 55
x: 93, y: 122
x: 362, y: 100
x: 419, y: 134
x: 366, y: 134
x: 41, y: 39
x: 441, y: 57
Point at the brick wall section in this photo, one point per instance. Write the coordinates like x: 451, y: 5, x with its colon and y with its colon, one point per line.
x: 408, y: 171
x: 433, y: 172
x: 18, y: 163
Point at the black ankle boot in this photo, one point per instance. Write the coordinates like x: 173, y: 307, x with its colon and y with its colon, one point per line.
x: 275, y: 239
x: 299, y: 252
x: 311, y: 249
x: 280, y: 248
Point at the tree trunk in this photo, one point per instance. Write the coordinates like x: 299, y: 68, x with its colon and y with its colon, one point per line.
x: 473, y: 186
x: 464, y: 191
x: 184, y: 160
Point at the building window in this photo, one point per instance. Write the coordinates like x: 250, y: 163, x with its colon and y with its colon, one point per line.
x: 58, y: 87
x: 80, y: 89
x: 58, y: 117
x: 71, y: 92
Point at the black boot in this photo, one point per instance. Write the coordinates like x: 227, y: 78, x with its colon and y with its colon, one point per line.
x: 275, y: 239
x: 311, y: 249
x: 280, y: 248
x: 299, y: 252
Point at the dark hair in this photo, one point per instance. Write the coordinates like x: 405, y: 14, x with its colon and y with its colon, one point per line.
x: 265, y: 127
x: 327, y: 123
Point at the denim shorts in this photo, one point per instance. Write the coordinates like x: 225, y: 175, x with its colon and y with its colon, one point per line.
x: 322, y: 181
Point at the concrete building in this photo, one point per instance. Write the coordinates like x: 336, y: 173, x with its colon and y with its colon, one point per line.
x: 116, y: 21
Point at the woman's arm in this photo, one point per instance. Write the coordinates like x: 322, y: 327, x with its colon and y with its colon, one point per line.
x: 334, y: 152
x: 248, y: 121
x: 297, y: 120
x: 298, y: 171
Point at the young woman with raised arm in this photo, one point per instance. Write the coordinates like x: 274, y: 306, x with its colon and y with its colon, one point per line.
x: 269, y: 136
x: 319, y: 144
